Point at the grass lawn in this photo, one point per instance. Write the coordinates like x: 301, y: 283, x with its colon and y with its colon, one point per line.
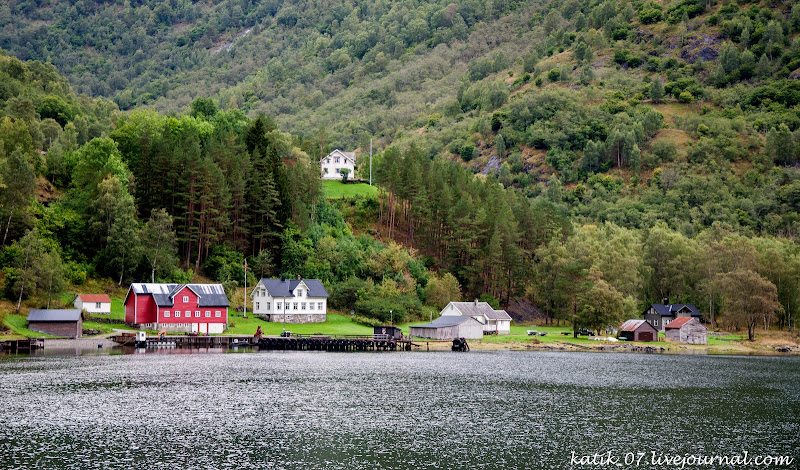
x: 19, y: 325
x: 335, y: 189
x: 337, y: 324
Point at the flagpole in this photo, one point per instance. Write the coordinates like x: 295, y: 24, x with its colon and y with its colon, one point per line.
x: 244, y: 300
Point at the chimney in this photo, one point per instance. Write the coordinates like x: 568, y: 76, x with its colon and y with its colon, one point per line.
x: 476, y: 302
x: 283, y: 278
x: 298, y: 277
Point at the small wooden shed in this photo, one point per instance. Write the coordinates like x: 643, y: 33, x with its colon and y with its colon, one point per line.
x: 687, y: 330
x: 449, y: 327
x: 388, y: 332
x: 57, y: 322
x: 638, y: 330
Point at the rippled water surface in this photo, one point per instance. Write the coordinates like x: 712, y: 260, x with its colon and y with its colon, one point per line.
x: 394, y: 410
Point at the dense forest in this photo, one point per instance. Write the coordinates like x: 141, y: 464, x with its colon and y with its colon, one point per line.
x: 589, y: 157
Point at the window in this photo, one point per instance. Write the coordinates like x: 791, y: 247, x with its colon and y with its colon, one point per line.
x: 299, y: 292
x: 302, y: 306
x: 218, y: 314
x: 311, y: 306
x: 185, y: 299
x: 656, y: 323
x: 97, y: 305
x: 337, y: 170
x: 325, y: 170
x: 278, y: 306
x: 294, y: 305
x: 257, y: 306
x: 268, y: 305
x: 336, y: 160
x: 320, y: 306
x: 177, y: 313
x: 197, y: 314
x: 166, y: 313
x: 188, y: 314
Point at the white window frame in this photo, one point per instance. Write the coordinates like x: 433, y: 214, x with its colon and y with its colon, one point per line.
x: 97, y: 305
x: 208, y: 313
x: 218, y: 314
x: 278, y: 306
x: 166, y: 313
x: 177, y: 313
x: 302, y: 305
x: 185, y: 299
x: 294, y: 305
x: 197, y: 313
x: 321, y: 308
x: 258, y: 305
x: 268, y: 305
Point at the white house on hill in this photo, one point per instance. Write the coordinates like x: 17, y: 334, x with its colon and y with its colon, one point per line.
x: 290, y: 301
x: 493, y: 321
x: 335, y: 162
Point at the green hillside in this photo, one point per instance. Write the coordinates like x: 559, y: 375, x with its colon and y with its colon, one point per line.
x: 589, y: 157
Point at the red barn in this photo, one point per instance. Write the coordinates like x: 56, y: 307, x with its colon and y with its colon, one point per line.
x: 199, y: 308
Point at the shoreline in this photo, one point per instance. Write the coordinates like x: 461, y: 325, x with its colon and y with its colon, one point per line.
x: 660, y: 347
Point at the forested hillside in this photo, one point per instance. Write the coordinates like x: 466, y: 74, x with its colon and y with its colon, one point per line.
x: 588, y: 156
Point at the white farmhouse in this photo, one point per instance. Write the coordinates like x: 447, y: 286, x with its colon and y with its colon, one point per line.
x: 93, y: 303
x: 493, y: 321
x: 335, y: 162
x: 290, y: 301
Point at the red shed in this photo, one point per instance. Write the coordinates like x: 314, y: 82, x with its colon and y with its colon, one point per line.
x: 638, y: 330
x: 200, y: 308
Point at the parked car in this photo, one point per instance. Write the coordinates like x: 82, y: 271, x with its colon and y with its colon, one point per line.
x: 585, y: 332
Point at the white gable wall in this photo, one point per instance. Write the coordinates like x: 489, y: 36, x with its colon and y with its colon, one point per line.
x: 333, y: 164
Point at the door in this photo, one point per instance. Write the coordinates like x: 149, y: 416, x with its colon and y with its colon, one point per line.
x: 646, y: 336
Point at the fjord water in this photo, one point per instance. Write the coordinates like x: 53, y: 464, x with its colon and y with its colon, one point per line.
x: 310, y: 410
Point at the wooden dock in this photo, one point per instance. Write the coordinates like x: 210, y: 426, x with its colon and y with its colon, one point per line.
x: 342, y: 343
x: 22, y: 346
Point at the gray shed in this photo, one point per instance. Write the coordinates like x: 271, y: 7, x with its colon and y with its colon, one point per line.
x: 449, y: 327
x: 57, y: 322
x: 687, y: 330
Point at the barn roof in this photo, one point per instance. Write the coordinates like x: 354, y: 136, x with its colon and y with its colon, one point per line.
x: 678, y: 322
x: 446, y: 321
x: 671, y: 310
x: 209, y: 295
x: 633, y: 325
x: 285, y: 288
x: 69, y: 314
x: 102, y: 298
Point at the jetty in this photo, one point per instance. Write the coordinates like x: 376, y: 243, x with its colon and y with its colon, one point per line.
x: 21, y: 346
x: 289, y: 342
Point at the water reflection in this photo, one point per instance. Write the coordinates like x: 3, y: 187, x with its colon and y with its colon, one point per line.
x: 191, y: 409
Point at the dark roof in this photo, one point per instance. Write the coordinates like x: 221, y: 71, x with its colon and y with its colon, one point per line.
x: 633, y: 325
x: 445, y: 321
x: 71, y: 314
x: 210, y: 295
x: 279, y: 288
x: 671, y: 310
x: 679, y: 322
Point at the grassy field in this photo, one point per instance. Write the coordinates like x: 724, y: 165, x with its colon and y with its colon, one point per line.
x: 335, y: 189
x: 337, y: 324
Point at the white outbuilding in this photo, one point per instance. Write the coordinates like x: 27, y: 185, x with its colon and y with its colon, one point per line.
x: 496, y: 322
x: 93, y: 303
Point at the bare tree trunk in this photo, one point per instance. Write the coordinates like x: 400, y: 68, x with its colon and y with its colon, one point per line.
x: 22, y: 287
x: 8, y: 225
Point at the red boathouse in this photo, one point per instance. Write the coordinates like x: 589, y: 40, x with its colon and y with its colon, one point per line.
x: 198, y: 308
